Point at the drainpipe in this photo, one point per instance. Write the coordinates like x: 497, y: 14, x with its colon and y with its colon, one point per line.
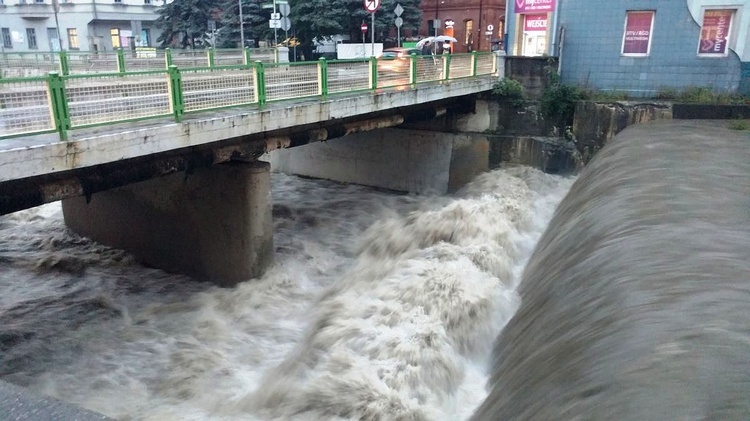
x: 481, y: 28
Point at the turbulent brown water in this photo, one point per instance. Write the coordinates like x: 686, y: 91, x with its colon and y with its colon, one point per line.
x: 636, y: 303
x: 379, y: 307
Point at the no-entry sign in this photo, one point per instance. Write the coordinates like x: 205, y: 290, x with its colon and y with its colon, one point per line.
x: 363, y: 28
x: 372, y: 5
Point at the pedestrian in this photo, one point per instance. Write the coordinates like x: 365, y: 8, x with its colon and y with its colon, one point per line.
x: 446, y: 47
x: 427, y: 49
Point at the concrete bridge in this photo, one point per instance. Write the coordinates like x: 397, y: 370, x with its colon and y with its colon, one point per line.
x: 165, y: 163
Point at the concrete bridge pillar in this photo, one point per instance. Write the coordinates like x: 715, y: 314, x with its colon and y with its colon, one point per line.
x: 213, y: 224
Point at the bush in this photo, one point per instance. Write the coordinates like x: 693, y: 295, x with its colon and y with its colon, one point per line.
x: 558, y: 103
x: 739, y: 125
x: 509, y: 90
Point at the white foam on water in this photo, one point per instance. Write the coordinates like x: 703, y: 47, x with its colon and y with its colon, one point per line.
x: 379, y: 306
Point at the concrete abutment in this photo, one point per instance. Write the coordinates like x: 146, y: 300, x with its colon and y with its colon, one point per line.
x: 212, y: 224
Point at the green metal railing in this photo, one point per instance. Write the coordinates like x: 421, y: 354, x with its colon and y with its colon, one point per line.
x: 33, y: 64
x: 62, y: 102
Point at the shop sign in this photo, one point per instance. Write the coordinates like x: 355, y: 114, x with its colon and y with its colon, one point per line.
x: 532, y: 6
x: 637, y: 39
x: 535, y: 23
x: 715, y: 32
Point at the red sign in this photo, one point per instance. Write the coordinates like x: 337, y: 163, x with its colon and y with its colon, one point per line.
x: 637, y: 33
x: 372, y: 5
x: 535, y: 23
x: 363, y: 28
x: 715, y: 32
x: 531, y: 6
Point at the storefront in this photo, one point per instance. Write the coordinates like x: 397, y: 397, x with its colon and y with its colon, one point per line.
x: 533, y: 28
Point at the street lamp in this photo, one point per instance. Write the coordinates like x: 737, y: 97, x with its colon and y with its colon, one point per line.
x: 56, y: 8
x: 242, y: 26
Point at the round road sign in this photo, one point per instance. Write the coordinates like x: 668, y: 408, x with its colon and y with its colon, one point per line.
x: 372, y: 5
x: 490, y: 28
x: 363, y: 28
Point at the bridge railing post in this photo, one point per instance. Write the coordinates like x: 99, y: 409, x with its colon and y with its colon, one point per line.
x: 260, y: 84
x: 373, y: 73
x: 210, y: 57
x: 248, y: 58
x: 323, y: 77
x: 167, y: 58
x: 64, y: 66
x: 413, y: 69
x: 120, y: 60
x: 446, y: 66
x: 473, y: 63
x: 176, y: 102
x: 58, y: 103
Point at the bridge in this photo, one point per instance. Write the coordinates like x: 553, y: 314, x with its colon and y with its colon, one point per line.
x: 105, y: 143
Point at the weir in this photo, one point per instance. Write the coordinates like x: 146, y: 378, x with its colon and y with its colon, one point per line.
x: 635, y: 303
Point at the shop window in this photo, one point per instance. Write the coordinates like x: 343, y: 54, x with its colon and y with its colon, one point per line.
x: 73, y: 39
x: 636, y: 39
x: 468, y: 31
x: 7, y: 41
x: 114, y: 35
x: 31, y: 37
x: 715, y: 31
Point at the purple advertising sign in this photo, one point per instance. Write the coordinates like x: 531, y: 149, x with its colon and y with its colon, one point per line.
x: 534, y: 6
x: 637, y: 33
x: 715, y: 32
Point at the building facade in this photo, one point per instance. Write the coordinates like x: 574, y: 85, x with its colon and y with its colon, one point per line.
x: 639, y: 46
x: 85, y: 25
x: 476, y: 24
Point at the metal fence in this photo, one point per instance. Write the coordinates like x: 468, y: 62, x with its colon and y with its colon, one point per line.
x: 60, y: 103
x: 30, y: 64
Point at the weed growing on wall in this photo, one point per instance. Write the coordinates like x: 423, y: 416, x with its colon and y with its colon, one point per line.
x: 558, y: 100
x: 511, y: 91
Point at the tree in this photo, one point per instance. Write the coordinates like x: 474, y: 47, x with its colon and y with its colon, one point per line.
x: 184, y: 21
x: 321, y: 18
x: 255, y: 22
x: 318, y: 19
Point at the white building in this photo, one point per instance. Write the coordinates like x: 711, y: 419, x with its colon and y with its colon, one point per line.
x: 85, y: 25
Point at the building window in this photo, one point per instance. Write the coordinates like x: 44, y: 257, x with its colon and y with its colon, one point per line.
x: 39, y: 1
x: 7, y: 41
x: 118, y: 1
x: 54, y: 39
x: 31, y: 37
x: 114, y: 34
x: 715, y: 31
x: 636, y: 39
x: 73, y: 39
x: 146, y: 1
x: 500, y: 29
x: 468, y: 32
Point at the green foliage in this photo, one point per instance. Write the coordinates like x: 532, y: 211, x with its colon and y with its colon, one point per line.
x: 696, y: 94
x: 324, y: 18
x: 608, y: 96
x: 667, y: 93
x: 559, y: 100
x: 255, y: 22
x: 740, y: 125
x: 184, y: 22
x: 509, y: 90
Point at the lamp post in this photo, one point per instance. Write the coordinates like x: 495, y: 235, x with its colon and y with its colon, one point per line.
x: 242, y: 26
x: 56, y: 8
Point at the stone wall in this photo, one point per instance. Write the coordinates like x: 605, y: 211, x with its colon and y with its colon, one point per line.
x: 595, y: 123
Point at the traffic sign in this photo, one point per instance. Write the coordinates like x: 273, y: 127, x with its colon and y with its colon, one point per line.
x: 274, y: 24
x: 490, y: 28
x: 363, y: 28
x: 398, y: 10
x: 275, y: 16
x: 284, y: 9
x: 398, y: 22
x: 285, y: 23
x: 488, y: 33
x: 372, y: 5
